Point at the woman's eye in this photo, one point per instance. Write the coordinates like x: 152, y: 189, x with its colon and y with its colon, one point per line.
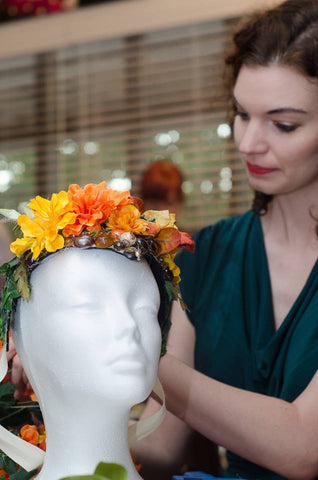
x: 244, y: 116
x: 286, y: 127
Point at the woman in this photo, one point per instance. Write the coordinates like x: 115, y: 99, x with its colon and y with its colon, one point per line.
x: 252, y: 285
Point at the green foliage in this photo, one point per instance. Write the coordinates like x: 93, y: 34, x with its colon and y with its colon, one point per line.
x: 21, y: 279
x: 6, y: 394
x: 13, y: 415
x: 9, y: 294
x: 103, y: 471
x: 13, y: 470
x: 22, y: 475
x: 112, y: 470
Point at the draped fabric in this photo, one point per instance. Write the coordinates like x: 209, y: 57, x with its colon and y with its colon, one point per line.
x: 226, y: 286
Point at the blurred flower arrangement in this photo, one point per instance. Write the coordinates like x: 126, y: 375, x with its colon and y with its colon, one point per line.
x: 13, y: 9
x: 22, y: 418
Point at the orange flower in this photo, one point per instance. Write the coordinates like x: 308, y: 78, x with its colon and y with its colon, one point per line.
x: 93, y: 204
x: 28, y: 392
x: 42, y: 445
x: 30, y: 434
x: 137, y: 466
x: 2, y: 472
x: 127, y: 219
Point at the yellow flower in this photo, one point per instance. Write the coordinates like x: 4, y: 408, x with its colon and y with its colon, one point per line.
x: 162, y: 218
x: 168, y: 259
x: 42, y: 232
x: 127, y: 219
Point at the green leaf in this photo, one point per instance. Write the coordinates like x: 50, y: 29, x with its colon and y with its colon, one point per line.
x: 8, y: 295
x: 7, y: 267
x: 22, y: 475
x: 86, y: 477
x: 111, y: 470
x: 9, y: 466
x: 6, y: 389
x: 21, y: 279
x: 10, y: 214
x: 104, y: 471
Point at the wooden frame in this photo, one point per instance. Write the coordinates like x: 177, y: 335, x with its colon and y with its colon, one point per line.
x: 114, y: 19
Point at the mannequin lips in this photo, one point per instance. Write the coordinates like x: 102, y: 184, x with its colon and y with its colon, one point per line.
x: 128, y: 361
x: 126, y: 366
x: 258, y: 170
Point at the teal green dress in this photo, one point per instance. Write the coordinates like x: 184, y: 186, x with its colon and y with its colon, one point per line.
x: 226, y: 286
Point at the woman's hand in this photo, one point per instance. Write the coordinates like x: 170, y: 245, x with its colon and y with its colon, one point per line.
x: 18, y: 376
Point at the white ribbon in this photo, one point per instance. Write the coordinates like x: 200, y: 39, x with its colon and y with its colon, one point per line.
x: 144, y: 427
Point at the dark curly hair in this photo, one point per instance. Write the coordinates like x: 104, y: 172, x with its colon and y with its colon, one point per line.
x: 287, y: 35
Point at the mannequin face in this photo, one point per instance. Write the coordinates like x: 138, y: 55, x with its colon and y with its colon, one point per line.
x: 91, y: 326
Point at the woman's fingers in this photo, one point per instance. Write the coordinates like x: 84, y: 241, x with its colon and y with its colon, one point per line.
x: 18, y: 378
x: 11, y: 351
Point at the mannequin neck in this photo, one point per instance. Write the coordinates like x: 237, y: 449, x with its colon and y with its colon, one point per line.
x: 87, y: 434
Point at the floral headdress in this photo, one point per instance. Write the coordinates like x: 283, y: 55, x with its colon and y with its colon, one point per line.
x: 93, y: 217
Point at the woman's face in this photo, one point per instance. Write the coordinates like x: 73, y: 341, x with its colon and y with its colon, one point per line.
x: 276, y: 128
x: 91, y: 325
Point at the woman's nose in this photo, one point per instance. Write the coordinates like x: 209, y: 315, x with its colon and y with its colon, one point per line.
x: 251, y: 138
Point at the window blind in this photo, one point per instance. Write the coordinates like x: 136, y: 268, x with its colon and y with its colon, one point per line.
x: 104, y: 110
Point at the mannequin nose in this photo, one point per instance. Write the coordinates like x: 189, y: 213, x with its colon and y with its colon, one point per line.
x: 127, y: 327
x: 250, y: 138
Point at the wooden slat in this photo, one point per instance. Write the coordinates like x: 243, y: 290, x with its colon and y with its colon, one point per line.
x: 114, y: 19
x: 121, y: 93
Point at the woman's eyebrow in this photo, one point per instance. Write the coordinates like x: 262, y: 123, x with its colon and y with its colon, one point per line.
x: 286, y: 110
x: 276, y: 110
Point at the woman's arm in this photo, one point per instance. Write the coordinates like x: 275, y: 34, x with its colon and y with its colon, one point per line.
x: 278, y: 435
x: 162, y: 453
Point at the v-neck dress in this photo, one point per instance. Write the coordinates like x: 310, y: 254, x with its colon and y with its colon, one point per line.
x: 226, y: 286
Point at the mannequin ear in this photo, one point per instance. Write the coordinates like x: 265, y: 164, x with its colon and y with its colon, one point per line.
x: 20, y: 451
x: 147, y: 425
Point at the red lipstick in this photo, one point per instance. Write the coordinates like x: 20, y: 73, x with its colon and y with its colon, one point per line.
x: 257, y: 170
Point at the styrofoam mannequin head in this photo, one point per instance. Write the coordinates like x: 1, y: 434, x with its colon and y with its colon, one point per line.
x: 90, y: 329
x: 89, y: 341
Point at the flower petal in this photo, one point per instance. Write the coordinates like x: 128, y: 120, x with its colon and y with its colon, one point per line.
x: 37, y: 247
x: 162, y: 218
x: 21, y: 245
x: 56, y: 244
x: 67, y: 219
x: 40, y: 206
x: 168, y: 239
x: 30, y: 228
